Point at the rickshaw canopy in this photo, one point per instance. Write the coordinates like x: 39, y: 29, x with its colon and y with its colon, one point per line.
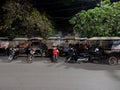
x: 71, y: 38
x: 104, y: 38
x: 36, y: 38
x: 20, y: 39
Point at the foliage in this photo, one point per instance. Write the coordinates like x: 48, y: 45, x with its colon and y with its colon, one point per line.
x: 21, y: 19
x: 103, y: 20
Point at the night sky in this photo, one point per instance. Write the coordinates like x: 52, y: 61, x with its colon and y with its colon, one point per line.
x: 61, y: 12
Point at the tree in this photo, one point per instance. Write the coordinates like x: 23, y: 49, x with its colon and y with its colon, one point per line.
x: 22, y: 19
x: 103, y: 20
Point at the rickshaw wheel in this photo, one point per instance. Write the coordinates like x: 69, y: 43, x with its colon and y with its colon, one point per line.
x: 113, y: 60
x: 29, y: 59
x: 10, y: 57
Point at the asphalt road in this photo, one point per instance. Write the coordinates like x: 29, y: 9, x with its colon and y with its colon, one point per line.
x: 44, y: 75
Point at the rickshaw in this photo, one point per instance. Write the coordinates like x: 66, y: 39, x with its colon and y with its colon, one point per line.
x: 71, y: 41
x: 21, y: 43
x: 19, y: 46
x: 52, y: 41
x: 110, y: 52
x: 4, y: 45
x: 36, y: 44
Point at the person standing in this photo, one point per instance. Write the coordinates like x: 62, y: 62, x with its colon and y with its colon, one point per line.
x: 55, y: 54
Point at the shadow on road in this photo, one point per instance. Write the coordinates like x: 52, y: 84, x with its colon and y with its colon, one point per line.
x: 86, y: 66
x: 61, y: 63
x: 114, y: 74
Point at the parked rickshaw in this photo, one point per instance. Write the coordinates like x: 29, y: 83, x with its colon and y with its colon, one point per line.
x: 36, y: 44
x: 52, y: 41
x: 105, y: 49
x: 4, y: 45
x: 71, y: 41
x: 19, y: 46
x: 21, y: 43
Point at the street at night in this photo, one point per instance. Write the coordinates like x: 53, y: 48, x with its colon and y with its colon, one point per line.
x: 60, y: 45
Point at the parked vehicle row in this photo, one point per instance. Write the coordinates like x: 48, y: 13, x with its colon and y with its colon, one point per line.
x: 73, y: 53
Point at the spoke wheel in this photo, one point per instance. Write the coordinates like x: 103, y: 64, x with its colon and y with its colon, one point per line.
x: 29, y: 59
x: 113, y: 60
x: 10, y: 57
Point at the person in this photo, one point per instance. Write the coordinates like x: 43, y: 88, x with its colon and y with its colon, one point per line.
x: 84, y: 48
x: 72, y: 55
x: 55, y: 54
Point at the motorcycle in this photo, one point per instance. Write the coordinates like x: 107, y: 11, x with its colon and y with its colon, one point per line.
x: 83, y: 57
x: 30, y: 55
x: 13, y: 54
x: 73, y: 57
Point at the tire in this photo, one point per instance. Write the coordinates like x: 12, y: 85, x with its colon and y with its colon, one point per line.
x: 29, y: 59
x: 68, y: 59
x: 112, y: 60
x: 10, y: 58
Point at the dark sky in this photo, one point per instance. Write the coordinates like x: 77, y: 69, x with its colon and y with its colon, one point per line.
x: 62, y: 10
x: 65, y: 8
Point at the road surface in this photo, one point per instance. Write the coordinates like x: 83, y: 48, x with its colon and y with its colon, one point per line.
x: 44, y: 75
